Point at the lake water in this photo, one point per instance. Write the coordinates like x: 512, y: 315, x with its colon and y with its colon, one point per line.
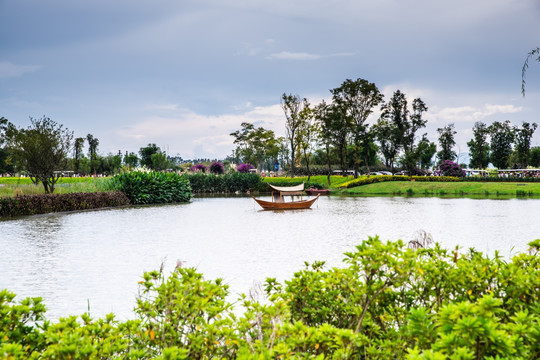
x: 94, y: 259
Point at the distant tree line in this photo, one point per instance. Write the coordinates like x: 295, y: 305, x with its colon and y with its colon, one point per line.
x: 338, y: 133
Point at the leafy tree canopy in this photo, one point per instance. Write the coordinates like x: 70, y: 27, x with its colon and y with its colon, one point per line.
x: 42, y: 149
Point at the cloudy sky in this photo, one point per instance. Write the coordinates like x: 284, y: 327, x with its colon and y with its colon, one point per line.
x: 184, y: 74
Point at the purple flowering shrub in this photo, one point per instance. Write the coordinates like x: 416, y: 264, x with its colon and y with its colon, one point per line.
x: 199, y: 168
x: 217, y: 168
x: 244, y: 168
x: 450, y: 168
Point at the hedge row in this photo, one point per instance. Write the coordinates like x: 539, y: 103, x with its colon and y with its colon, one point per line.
x: 225, y: 184
x: 381, y: 178
x: 49, y: 203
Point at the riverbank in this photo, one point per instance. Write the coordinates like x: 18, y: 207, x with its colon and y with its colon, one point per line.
x: 23, y: 186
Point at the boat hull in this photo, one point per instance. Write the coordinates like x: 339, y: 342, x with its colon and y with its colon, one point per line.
x: 291, y: 205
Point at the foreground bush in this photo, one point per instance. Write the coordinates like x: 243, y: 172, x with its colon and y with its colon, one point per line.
x: 152, y: 187
x: 49, y: 203
x: 389, y: 301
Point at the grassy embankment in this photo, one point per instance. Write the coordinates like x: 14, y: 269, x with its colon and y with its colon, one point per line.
x: 446, y: 189
x: 11, y: 186
x: 417, y: 188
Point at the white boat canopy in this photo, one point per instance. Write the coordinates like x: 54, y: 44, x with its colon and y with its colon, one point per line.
x: 287, y: 189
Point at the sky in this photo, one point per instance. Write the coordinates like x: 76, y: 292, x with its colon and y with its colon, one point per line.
x: 184, y: 74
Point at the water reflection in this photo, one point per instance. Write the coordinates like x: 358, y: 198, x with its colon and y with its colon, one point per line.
x: 98, y: 257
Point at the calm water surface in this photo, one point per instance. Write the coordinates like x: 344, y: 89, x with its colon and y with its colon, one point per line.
x: 95, y: 259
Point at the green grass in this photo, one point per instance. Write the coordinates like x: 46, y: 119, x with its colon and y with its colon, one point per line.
x: 446, y: 188
x: 10, y: 186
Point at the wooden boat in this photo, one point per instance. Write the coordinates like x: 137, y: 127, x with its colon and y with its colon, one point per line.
x: 279, y: 192
x: 287, y: 205
x: 313, y: 191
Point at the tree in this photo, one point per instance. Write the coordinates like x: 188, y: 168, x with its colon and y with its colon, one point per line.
x: 502, y: 137
x: 479, y: 146
x: 385, y: 131
x: 357, y: 99
x: 404, y: 126
x: 326, y: 120
x: 5, y: 165
x: 77, y: 152
x: 534, y: 159
x: 447, y: 143
x: 307, y: 133
x: 523, y: 142
x: 531, y: 54
x: 42, y: 150
x: 146, y: 155
x: 159, y: 161
x: 131, y: 160
x: 292, y: 105
x: 92, y: 152
x: 256, y: 145
x: 426, y: 149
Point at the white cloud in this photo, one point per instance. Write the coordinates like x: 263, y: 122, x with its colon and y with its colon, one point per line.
x: 8, y: 70
x: 286, y: 55
x: 195, y: 135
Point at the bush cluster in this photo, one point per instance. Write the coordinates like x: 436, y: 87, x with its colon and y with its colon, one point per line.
x: 48, y: 203
x: 382, y: 178
x: 244, y: 168
x: 224, y: 184
x: 450, y: 168
x: 389, y: 301
x: 152, y: 187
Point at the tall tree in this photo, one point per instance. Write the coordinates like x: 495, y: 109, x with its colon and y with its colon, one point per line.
x: 522, y: 139
x: 77, y: 152
x: 447, y: 143
x: 131, y: 160
x: 146, y: 155
x: 42, y: 150
x: 328, y: 120
x: 426, y: 149
x: 307, y: 133
x: 479, y: 146
x: 405, y: 124
x: 357, y: 98
x: 92, y: 152
x: 385, y: 132
x: 5, y: 164
x: 534, y: 159
x: 292, y: 105
x: 256, y: 145
x: 502, y: 137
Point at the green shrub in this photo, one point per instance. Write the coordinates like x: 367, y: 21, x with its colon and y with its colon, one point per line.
x: 49, y: 203
x: 152, y: 187
x: 224, y: 184
x: 390, y: 300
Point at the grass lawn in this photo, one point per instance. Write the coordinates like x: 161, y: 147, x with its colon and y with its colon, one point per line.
x: 10, y: 186
x: 446, y: 188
